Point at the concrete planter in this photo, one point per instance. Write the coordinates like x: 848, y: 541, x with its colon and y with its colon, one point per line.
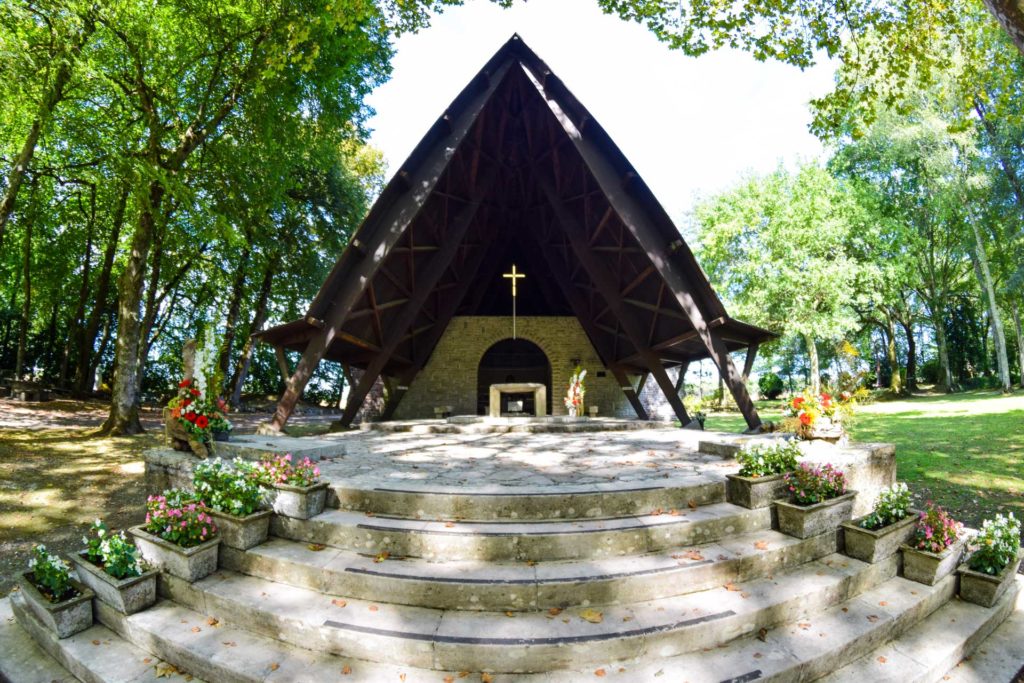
x: 804, y: 521
x: 221, y: 436
x: 297, y: 502
x: 985, y: 589
x: 755, y: 492
x: 242, y: 532
x: 127, y: 596
x: 874, y: 545
x: 63, y: 618
x: 190, y: 564
x: 929, y: 568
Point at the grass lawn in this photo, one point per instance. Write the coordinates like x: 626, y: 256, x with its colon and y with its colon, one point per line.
x: 963, y: 451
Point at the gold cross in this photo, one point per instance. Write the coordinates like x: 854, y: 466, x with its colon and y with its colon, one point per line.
x: 513, y: 276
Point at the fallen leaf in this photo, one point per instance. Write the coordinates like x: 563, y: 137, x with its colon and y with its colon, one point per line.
x: 762, y: 635
x: 449, y: 524
x: 510, y: 614
x: 846, y: 609
x: 627, y: 618
x: 230, y: 643
x: 883, y: 603
x: 744, y: 595
x: 531, y: 563
x: 758, y: 655
x: 147, y: 660
x: 163, y: 670
x: 591, y: 615
x: 210, y: 621
x: 882, y: 660
x: 449, y: 679
x: 761, y: 545
x: 374, y: 608
x: 692, y: 504
x: 95, y: 642
x: 401, y: 677
x: 486, y: 678
x: 463, y: 674
x: 732, y: 587
x: 338, y: 602
x: 346, y: 669
x: 599, y: 672
x: 872, y: 618
x: 381, y: 556
x: 316, y: 547
x: 674, y: 512
x: 656, y: 511
x: 196, y: 629
x: 804, y: 625
x: 274, y: 666
x: 693, y: 555
x: 555, y: 611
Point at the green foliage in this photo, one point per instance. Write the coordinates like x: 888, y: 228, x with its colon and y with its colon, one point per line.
x: 810, y: 483
x: 281, y: 470
x: 177, y: 516
x: 996, y: 545
x: 112, y: 551
x: 893, y: 504
x: 764, y: 461
x: 51, y: 575
x: 227, y: 488
x: 770, y: 385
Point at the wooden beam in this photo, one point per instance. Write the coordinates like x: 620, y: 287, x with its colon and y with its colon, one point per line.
x: 282, y: 363
x: 429, y: 276
x: 379, y: 234
x: 748, y: 364
x: 631, y: 394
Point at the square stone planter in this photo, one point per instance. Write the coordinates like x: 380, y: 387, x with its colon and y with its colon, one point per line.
x: 930, y: 568
x: 874, y: 545
x: 127, y: 596
x: 296, y: 501
x: 190, y: 564
x: 804, y: 521
x: 63, y: 618
x: 755, y: 492
x: 985, y: 589
x: 242, y: 532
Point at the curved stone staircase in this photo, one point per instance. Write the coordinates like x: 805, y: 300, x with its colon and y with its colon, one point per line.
x: 663, y: 582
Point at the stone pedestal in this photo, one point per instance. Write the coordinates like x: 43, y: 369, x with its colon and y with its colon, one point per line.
x: 539, y: 391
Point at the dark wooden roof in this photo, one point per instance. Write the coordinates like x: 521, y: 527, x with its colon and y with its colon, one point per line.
x: 516, y: 170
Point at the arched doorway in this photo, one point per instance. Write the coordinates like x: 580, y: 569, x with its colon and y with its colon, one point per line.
x: 508, y: 361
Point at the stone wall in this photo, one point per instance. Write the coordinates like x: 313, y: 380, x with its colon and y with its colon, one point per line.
x: 450, y: 376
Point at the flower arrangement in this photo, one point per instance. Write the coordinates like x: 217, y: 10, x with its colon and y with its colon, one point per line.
x: 177, y: 517
x: 218, y: 415
x: 892, y: 506
x: 812, y: 484
x: 281, y: 470
x: 809, y: 410
x: 191, y: 412
x: 996, y: 545
x: 227, y: 488
x: 51, y: 575
x: 576, y: 392
x: 113, y: 552
x: 936, y: 530
x: 765, y: 461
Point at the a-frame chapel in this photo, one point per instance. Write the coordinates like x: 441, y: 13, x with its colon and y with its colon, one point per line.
x: 516, y: 177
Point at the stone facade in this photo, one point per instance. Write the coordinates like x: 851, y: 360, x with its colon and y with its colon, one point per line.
x: 450, y: 376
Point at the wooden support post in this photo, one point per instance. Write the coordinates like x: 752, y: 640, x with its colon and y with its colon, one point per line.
x: 642, y: 382
x: 748, y: 364
x: 282, y: 363
x: 631, y: 394
x: 681, y: 379
x: 311, y: 357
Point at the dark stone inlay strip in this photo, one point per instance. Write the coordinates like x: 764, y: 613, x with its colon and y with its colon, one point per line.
x: 560, y: 640
x: 510, y: 582
x: 745, y: 678
x: 499, y: 534
x: 511, y: 494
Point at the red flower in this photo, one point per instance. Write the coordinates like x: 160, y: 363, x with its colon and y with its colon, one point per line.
x: 195, y: 392
x: 805, y: 419
x: 202, y: 422
x: 184, y: 383
x: 825, y: 397
x: 798, y: 401
x: 191, y: 417
x: 186, y: 402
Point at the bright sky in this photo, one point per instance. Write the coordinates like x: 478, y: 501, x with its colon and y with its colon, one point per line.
x: 691, y: 127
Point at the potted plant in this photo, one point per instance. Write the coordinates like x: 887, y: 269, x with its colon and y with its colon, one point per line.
x: 876, y: 536
x: 62, y: 604
x: 187, y: 422
x: 220, y: 425
x: 819, y: 501
x: 292, y: 490
x: 576, y: 392
x: 233, y: 498
x: 178, y: 536
x: 111, y: 567
x: 995, y: 557
x: 819, y: 416
x: 935, y: 548
x: 760, y: 480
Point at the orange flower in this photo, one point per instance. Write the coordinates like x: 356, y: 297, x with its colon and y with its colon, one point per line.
x: 805, y: 419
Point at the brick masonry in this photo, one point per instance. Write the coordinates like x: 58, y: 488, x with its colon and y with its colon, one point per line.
x: 450, y: 376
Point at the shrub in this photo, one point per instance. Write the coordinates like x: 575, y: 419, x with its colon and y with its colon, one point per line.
x: 280, y: 470
x: 996, y: 546
x: 177, y: 517
x: 227, y: 489
x: 764, y: 461
x: 770, y: 385
x: 892, y: 506
x: 51, y: 575
x: 113, y: 552
x: 935, y: 530
x: 812, y: 484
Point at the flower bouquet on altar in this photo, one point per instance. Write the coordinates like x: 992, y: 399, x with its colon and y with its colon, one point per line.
x: 575, y: 393
x: 819, y: 416
x: 188, y: 420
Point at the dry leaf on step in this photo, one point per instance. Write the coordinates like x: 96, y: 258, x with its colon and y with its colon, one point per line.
x: 381, y: 556
x: 163, y: 670
x: 346, y: 669
x: 591, y: 615
x: 762, y: 635
x: 338, y: 602
x: 374, y: 608
x: 95, y: 642
x: 554, y: 611
x: 196, y: 629
x: 449, y: 679
x: 463, y: 674
x: 316, y: 547
x: 510, y: 614
x: 486, y: 678
x: 229, y: 643
x: 274, y: 666
x: 732, y: 587
x: 599, y: 672
x: 761, y: 545
x: 692, y: 504
x: 882, y: 660
x: 872, y: 618
x: 210, y: 621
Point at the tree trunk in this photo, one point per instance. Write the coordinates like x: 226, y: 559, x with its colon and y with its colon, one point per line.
x: 76, y: 336
x: 26, y: 304
x: 940, y: 339
x: 895, y: 381
x: 1020, y: 338
x: 981, y: 269
x: 124, y: 402
x: 50, y: 99
x: 908, y: 331
x: 812, y: 353
x: 1010, y: 15
x: 85, y: 366
x: 231, y: 321
x: 258, y: 319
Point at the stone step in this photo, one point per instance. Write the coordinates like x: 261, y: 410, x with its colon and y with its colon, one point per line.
x: 496, y: 502
x: 528, y: 541
x: 484, y: 586
x: 525, y: 642
x: 31, y: 653
x: 932, y: 650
